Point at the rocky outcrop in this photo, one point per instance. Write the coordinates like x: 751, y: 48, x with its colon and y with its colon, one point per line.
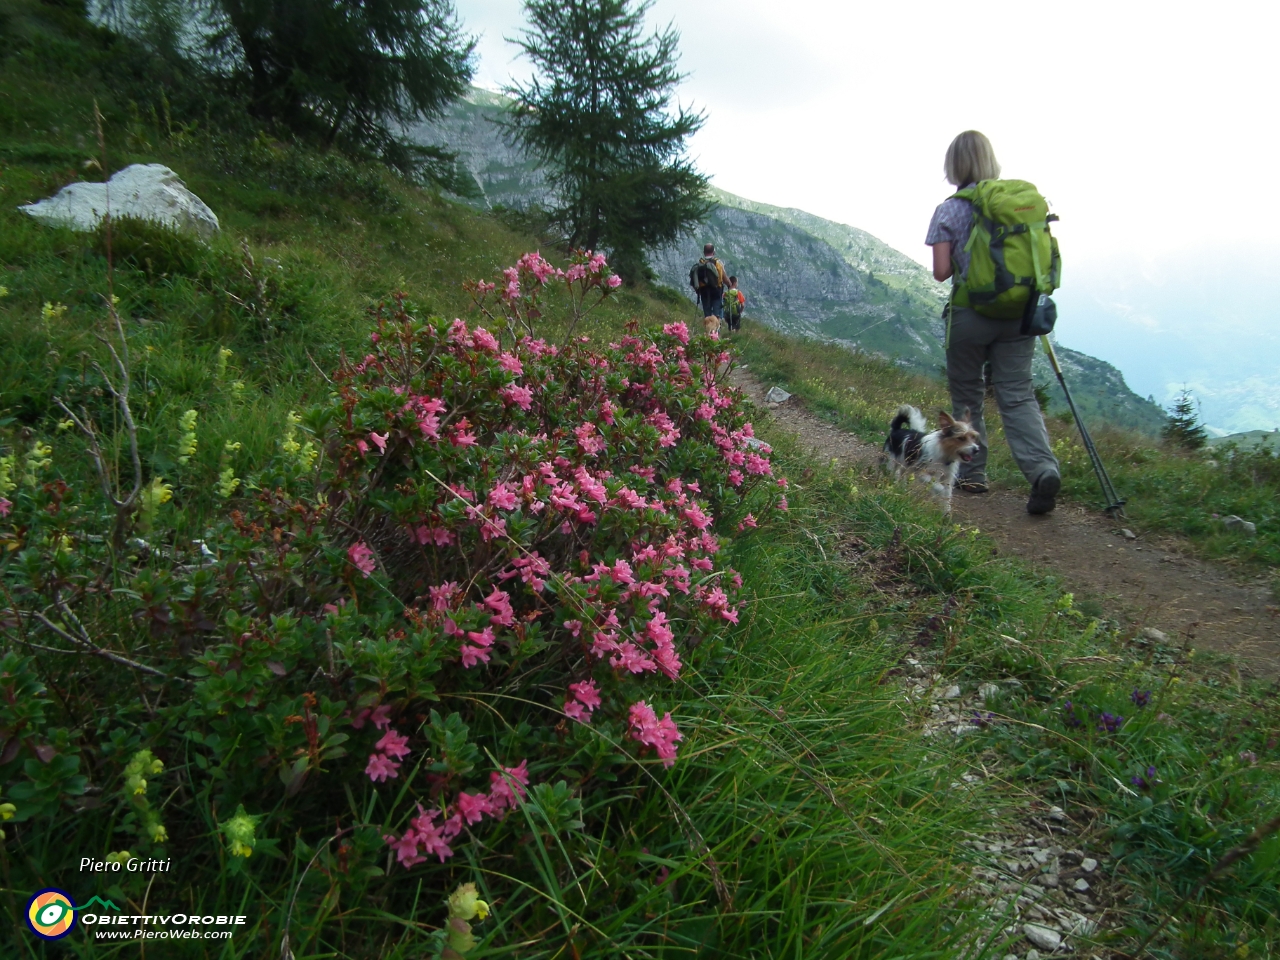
x: 472, y: 128
x: 148, y: 191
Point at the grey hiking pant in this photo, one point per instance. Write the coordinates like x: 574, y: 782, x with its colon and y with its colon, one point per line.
x: 975, y: 339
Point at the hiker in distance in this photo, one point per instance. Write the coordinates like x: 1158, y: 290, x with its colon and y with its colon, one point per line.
x: 991, y: 311
x: 708, y: 279
x: 734, y: 304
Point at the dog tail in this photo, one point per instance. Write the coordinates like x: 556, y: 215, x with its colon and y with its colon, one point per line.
x: 909, y: 416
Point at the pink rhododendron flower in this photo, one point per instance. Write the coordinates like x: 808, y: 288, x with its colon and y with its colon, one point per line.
x: 394, y: 744
x: 500, y: 603
x: 473, y: 808
x: 662, y: 734
x: 442, y: 597
x: 511, y: 363
x: 589, y: 442
x: 380, y: 441
x: 503, y: 497
x: 586, y: 693
x: 381, y: 716
x: 748, y: 522
x: 696, y: 517
x: 507, y: 788
x: 631, y: 658
x: 782, y: 503
x: 381, y: 768
x: 514, y: 394
x: 437, y: 535
x: 614, y: 281
x: 482, y: 339
x: 406, y: 848
x: 461, y: 436
x: 361, y: 557
x: 473, y: 655
x: 362, y: 447
x: 677, y: 330
x: 458, y: 332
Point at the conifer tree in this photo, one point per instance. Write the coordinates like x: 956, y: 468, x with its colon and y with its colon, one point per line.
x: 598, y: 113
x: 1184, y: 427
x: 348, y: 72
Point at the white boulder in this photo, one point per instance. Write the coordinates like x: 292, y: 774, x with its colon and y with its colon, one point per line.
x: 1237, y: 523
x: 148, y: 191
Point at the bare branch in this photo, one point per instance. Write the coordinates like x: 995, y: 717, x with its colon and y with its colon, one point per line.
x: 91, y: 647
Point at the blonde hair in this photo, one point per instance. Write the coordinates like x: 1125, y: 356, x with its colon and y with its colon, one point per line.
x: 970, y: 158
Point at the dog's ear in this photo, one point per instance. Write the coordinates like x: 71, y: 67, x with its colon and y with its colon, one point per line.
x: 944, y: 419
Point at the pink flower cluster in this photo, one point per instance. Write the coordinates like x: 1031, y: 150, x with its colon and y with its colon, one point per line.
x: 557, y: 502
x: 517, y: 303
x: 431, y: 831
x: 361, y: 557
x: 646, y: 728
x: 583, y: 702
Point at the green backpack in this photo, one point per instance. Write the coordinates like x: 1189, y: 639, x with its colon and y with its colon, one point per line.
x: 1013, y: 258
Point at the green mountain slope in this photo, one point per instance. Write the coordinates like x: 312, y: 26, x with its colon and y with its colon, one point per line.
x: 802, y: 274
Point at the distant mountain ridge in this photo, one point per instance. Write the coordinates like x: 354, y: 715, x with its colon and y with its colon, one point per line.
x: 802, y: 274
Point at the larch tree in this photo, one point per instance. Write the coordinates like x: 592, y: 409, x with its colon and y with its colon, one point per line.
x: 349, y: 73
x: 598, y: 113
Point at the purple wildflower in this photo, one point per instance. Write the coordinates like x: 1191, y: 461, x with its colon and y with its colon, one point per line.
x: 981, y: 720
x: 1069, y: 717
x: 1140, y: 698
x: 1109, y: 722
x: 1144, y: 782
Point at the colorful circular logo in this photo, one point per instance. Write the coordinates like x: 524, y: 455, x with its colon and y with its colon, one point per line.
x: 51, y: 914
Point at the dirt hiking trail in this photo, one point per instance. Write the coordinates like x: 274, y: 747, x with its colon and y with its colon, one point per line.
x: 1149, y: 582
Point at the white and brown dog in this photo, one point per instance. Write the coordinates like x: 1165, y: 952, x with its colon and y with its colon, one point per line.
x: 934, y: 457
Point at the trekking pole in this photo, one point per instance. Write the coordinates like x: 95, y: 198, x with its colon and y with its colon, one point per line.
x: 1115, y: 506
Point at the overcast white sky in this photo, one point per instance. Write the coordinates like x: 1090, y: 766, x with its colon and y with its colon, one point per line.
x: 1150, y: 127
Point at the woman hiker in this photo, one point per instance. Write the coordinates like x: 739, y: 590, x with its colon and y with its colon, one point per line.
x: 976, y: 340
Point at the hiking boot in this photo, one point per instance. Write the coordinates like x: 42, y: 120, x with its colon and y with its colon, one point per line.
x: 1043, y: 494
x: 972, y: 486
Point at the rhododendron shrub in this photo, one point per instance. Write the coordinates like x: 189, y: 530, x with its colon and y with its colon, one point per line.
x: 483, y: 562
x: 543, y: 505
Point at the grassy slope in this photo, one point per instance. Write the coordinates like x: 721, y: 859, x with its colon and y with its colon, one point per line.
x: 1167, y: 490
x: 804, y: 786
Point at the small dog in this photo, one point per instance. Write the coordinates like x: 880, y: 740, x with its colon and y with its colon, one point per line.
x: 934, y: 457
x: 710, y: 325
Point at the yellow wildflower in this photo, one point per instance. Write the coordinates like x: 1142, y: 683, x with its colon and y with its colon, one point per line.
x: 7, y: 482
x: 38, y: 458
x: 187, y: 442
x: 239, y: 831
